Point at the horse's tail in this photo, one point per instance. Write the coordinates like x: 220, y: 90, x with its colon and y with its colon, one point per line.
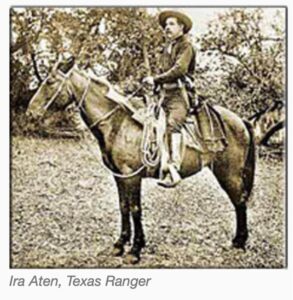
x: 249, y: 168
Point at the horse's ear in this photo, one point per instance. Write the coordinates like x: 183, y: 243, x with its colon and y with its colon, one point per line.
x: 71, y: 62
x: 66, y: 65
x: 71, y: 59
x: 57, y: 64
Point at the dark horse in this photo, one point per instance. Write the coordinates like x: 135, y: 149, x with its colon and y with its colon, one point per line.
x: 119, y: 137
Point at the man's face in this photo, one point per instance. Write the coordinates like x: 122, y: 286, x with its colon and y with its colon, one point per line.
x: 173, y: 29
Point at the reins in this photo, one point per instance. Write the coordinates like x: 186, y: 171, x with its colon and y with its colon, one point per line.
x: 82, y: 99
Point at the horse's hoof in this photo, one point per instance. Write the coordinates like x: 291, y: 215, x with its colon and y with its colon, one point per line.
x: 239, y: 243
x: 117, y: 251
x: 131, y: 259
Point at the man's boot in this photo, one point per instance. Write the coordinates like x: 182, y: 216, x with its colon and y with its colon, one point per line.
x: 173, y: 177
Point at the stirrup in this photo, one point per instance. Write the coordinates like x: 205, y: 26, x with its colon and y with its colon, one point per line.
x: 172, y: 178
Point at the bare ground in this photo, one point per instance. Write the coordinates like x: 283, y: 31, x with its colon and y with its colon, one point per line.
x: 65, y: 213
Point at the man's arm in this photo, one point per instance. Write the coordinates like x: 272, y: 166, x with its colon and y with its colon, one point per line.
x: 180, y: 67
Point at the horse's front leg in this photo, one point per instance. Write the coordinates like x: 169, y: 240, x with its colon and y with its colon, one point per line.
x: 125, y: 233
x: 134, y: 196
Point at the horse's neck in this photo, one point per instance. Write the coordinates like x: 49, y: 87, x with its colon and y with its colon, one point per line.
x: 86, y: 97
x: 93, y: 109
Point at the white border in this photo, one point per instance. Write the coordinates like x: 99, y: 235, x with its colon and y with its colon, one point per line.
x: 166, y: 284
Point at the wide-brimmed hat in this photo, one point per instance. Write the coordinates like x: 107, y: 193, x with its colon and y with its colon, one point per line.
x: 163, y: 16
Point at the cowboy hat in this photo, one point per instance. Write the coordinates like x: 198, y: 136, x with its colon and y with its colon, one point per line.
x: 163, y: 16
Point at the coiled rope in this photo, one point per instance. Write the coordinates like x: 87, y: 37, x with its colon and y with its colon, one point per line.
x: 150, y: 145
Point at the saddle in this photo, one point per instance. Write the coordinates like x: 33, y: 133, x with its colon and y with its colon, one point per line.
x: 206, y: 127
x: 203, y: 130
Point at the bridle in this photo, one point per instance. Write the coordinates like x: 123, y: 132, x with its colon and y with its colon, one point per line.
x: 80, y: 104
x: 64, y: 81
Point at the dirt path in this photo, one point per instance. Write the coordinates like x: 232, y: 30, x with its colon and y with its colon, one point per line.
x: 65, y: 214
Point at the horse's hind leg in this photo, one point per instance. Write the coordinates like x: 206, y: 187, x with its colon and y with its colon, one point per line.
x: 241, y: 237
x: 125, y: 233
x: 231, y: 180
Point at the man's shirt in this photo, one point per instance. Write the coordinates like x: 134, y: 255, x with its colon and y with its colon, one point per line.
x: 178, y: 60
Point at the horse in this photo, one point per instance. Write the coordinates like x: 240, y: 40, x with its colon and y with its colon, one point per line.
x: 119, y: 137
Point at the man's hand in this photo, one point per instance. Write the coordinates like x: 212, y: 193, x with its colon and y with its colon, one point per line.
x: 149, y: 80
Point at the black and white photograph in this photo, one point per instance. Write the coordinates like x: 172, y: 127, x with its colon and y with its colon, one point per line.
x: 148, y: 137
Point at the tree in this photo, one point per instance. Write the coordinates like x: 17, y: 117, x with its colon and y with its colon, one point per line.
x: 39, y: 35
x: 246, y: 61
x: 251, y: 65
x: 121, y: 40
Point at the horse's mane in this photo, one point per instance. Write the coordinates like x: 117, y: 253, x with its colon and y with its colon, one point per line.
x: 99, y: 80
x: 67, y: 65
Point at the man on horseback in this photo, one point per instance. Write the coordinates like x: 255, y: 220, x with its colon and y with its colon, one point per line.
x: 176, y: 82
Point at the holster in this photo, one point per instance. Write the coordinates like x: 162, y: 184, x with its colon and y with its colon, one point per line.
x: 184, y: 93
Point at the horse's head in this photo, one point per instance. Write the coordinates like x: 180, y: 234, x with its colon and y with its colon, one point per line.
x: 50, y: 95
